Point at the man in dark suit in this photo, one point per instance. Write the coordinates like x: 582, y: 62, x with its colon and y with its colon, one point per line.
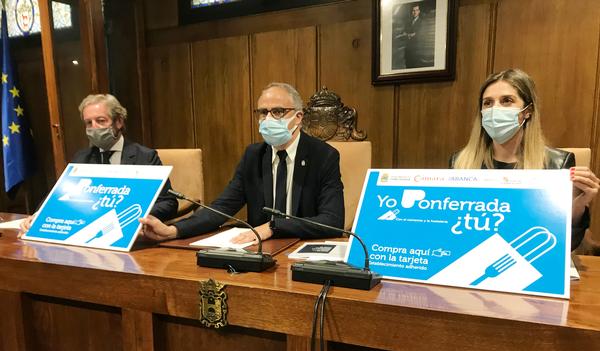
x: 104, y: 119
x: 291, y: 171
x: 413, y: 59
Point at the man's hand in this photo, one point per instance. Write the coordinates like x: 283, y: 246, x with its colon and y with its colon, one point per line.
x: 25, y: 225
x: 154, y: 229
x: 263, y: 230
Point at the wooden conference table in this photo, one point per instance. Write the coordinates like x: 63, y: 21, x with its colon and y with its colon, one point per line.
x: 67, y: 298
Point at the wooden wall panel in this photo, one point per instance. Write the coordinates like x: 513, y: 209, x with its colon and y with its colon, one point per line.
x: 558, y: 45
x: 595, y: 208
x: 179, y: 334
x: 73, y: 86
x: 160, y: 13
x: 170, y: 96
x: 345, y: 56
x: 435, y: 118
x: 284, y: 56
x: 14, y: 335
x: 556, y: 42
x: 82, y: 326
x: 122, y: 42
x: 138, y: 330
x: 221, y: 85
x: 342, y: 11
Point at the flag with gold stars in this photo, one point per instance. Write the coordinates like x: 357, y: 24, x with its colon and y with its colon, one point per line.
x: 17, y: 145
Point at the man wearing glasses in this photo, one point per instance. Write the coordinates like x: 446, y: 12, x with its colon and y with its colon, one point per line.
x: 291, y: 172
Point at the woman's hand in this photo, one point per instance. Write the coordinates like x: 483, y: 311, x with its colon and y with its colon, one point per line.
x: 586, y: 181
x: 586, y: 185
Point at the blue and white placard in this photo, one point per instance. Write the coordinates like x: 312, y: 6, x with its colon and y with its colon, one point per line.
x: 502, y: 230
x: 98, y: 205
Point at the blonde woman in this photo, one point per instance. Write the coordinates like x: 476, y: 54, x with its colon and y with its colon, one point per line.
x: 508, y: 135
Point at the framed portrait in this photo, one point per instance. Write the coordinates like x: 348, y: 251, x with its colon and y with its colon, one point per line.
x: 414, y: 40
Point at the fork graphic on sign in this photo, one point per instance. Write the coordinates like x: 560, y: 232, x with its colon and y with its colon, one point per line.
x: 107, y: 229
x: 494, y: 270
x: 496, y: 264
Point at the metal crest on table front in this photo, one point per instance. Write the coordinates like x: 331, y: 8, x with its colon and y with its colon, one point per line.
x: 213, y: 304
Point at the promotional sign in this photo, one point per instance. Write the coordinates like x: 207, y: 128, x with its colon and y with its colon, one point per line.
x: 503, y: 230
x: 98, y: 205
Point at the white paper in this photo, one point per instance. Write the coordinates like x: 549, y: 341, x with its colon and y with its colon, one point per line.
x: 336, y: 254
x: 223, y: 239
x: 574, y: 274
x: 16, y: 224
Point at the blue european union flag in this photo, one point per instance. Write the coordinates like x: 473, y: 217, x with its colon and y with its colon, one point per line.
x: 17, y: 143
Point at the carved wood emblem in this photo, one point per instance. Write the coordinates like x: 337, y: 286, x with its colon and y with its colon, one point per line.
x: 327, y: 118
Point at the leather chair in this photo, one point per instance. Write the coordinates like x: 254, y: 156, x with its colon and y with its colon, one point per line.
x: 355, y: 161
x: 583, y: 155
x: 326, y: 118
x: 186, y: 176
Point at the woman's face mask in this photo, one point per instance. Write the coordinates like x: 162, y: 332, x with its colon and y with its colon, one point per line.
x: 501, y: 123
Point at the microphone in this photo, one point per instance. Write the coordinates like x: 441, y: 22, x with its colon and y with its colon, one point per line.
x: 340, y: 273
x: 242, y: 261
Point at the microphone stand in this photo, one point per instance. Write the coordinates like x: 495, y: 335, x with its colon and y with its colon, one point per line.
x: 339, y: 273
x: 242, y: 261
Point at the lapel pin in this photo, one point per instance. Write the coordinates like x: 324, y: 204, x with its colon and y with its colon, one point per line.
x: 303, y: 163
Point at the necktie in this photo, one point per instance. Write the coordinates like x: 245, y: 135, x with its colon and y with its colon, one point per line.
x: 105, y: 157
x: 281, y: 182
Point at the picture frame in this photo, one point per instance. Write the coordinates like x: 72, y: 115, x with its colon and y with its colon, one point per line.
x: 414, y: 41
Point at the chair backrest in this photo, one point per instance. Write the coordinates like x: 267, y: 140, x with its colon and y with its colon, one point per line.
x: 186, y: 176
x: 355, y: 161
x: 583, y: 155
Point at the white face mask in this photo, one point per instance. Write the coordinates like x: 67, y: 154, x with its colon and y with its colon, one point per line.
x: 501, y: 123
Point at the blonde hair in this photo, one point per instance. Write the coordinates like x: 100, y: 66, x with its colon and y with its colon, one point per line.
x: 479, y: 148
x: 114, y: 107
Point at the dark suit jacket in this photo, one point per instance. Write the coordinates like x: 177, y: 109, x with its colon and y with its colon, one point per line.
x: 559, y: 159
x: 135, y: 154
x: 413, y: 45
x: 317, y: 192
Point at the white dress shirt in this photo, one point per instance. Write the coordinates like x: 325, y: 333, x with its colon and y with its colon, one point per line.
x: 117, y: 149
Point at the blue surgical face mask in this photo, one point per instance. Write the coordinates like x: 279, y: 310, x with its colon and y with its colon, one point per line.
x: 276, y: 132
x: 501, y: 123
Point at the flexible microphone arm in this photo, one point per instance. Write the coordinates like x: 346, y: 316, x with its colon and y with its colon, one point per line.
x: 281, y: 214
x: 245, y: 224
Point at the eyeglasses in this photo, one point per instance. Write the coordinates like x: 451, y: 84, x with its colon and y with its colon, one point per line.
x: 276, y: 112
